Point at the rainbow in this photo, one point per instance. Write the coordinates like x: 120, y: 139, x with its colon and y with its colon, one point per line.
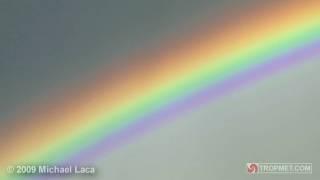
x: 85, y: 124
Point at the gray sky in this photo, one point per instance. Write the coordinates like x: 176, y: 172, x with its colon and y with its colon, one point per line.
x: 46, y: 45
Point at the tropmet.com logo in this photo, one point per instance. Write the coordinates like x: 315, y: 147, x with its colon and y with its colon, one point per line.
x: 279, y: 168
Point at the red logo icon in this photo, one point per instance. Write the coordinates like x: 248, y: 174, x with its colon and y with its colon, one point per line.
x: 252, y: 168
